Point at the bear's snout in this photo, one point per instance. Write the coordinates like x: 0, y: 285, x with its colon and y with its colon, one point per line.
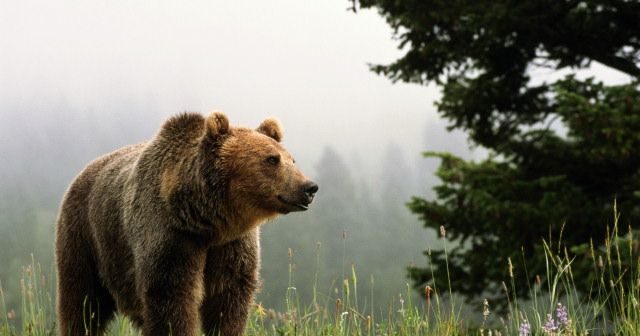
x: 300, y: 200
x: 310, y: 190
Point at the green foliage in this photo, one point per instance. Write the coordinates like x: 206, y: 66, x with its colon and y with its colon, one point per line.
x: 481, y: 52
x: 561, y: 151
x: 543, y: 185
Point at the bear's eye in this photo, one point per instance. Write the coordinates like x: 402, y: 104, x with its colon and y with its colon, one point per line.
x: 273, y: 159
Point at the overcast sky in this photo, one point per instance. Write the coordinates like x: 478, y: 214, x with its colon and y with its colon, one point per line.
x: 302, y: 61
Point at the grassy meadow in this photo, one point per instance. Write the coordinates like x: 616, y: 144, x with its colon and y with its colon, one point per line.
x: 555, y: 307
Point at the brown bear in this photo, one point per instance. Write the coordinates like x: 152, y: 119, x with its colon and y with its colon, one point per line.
x: 166, y: 232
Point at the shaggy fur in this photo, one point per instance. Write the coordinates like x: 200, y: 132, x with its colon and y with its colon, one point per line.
x: 166, y: 232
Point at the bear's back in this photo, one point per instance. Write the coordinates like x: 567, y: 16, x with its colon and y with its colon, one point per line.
x: 97, y: 178
x: 93, y: 206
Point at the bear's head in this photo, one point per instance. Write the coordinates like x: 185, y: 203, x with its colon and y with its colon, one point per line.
x: 260, y: 174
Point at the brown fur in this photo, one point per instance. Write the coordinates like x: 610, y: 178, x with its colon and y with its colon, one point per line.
x: 166, y: 232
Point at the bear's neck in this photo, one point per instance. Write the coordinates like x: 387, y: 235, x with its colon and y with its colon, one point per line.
x: 240, y: 218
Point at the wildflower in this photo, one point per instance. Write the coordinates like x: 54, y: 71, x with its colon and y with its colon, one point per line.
x: 562, y: 315
x: 443, y: 232
x: 11, y: 314
x: 550, y: 326
x: 524, y: 329
x: 260, y: 310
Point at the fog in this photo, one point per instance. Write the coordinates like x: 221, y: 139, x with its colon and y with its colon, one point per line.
x: 79, y: 79
x: 302, y: 61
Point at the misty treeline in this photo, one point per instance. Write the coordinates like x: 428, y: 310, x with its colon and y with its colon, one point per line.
x: 355, y: 221
x: 352, y: 226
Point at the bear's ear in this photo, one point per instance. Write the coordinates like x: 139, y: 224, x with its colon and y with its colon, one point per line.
x: 271, y: 128
x: 217, y: 124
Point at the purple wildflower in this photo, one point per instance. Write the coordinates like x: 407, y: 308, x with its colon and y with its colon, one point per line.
x: 525, y: 329
x: 562, y: 315
x: 550, y: 326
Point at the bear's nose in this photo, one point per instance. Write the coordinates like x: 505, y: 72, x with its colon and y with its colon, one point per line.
x: 310, y: 189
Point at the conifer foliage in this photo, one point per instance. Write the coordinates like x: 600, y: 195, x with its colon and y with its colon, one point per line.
x: 562, y: 150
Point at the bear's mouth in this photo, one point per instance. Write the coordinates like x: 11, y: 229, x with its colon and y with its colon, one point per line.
x: 299, y: 206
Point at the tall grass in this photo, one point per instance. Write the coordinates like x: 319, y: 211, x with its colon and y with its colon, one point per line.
x: 555, y: 307
x: 36, y: 314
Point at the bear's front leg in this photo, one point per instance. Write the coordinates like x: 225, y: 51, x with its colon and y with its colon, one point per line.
x: 169, y: 281
x: 231, y: 279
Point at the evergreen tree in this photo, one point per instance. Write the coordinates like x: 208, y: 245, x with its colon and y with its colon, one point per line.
x: 561, y: 151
